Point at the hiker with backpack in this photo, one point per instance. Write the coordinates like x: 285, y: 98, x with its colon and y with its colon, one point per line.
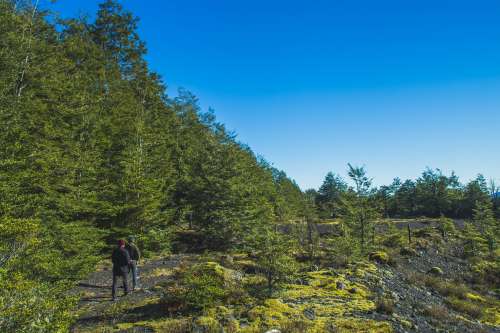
x: 121, y: 261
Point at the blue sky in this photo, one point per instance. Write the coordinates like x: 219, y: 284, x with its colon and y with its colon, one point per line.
x: 312, y: 85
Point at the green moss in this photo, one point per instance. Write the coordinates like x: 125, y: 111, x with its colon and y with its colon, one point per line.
x: 272, y: 313
x: 323, y: 284
x: 474, y: 297
x: 361, y: 269
x: 322, y: 296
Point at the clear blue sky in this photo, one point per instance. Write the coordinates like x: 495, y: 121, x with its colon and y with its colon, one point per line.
x: 312, y: 85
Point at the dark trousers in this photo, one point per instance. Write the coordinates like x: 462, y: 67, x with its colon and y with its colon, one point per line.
x: 135, y: 274
x: 124, y: 275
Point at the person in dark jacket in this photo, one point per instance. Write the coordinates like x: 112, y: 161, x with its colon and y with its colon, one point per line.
x: 135, y: 256
x: 121, y: 262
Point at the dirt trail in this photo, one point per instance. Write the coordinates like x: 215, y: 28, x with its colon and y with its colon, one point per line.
x: 96, y: 305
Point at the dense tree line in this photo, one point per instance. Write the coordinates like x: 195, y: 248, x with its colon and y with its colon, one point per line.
x: 92, y: 146
x: 433, y: 194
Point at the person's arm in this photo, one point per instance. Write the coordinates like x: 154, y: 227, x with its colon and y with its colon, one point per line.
x: 127, y: 255
x: 138, y: 253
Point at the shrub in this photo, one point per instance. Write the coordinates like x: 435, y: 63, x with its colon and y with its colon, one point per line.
x: 274, y: 260
x: 487, y: 272
x: 342, y: 250
x: 201, y: 287
x: 394, y: 240
x: 204, y: 287
x: 34, y: 307
x: 155, y: 241
x: 447, y: 227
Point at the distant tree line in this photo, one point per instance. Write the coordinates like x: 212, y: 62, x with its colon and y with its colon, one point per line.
x: 433, y: 194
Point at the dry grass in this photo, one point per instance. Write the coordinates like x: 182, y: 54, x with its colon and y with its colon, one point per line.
x: 384, y: 305
x: 438, y: 312
x: 446, y: 288
x: 443, y: 287
x: 471, y: 309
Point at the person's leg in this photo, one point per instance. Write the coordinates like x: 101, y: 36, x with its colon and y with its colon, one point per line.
x: 125, y: 282
x: 113, y: 288
x: 137, y: 279
x: 133, y: 268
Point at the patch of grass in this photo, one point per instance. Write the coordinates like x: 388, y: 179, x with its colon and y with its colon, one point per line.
x: 413, y: 278
x: 357, y: 325
x: 408, y: 251
x: 296, y: 326
x: 384, y: 305
x: 159, y: 272
x: 466, y: 307
x: 447, y: 289
x: 438, y: 312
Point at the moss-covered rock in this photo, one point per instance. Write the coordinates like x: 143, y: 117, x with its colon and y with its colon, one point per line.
x: 379, y: 256
x: 435, y: 271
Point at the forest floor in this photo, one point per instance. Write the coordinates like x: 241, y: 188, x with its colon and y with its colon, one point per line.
x: 399, y: 295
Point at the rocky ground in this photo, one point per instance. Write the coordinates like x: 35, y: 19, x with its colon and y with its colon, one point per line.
x: 418, y: 308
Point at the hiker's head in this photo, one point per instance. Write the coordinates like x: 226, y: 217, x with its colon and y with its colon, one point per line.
x: 131, y: 239
x: 121, y: 243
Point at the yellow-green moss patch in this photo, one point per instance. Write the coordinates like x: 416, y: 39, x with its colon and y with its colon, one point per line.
x: 379, y: 256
